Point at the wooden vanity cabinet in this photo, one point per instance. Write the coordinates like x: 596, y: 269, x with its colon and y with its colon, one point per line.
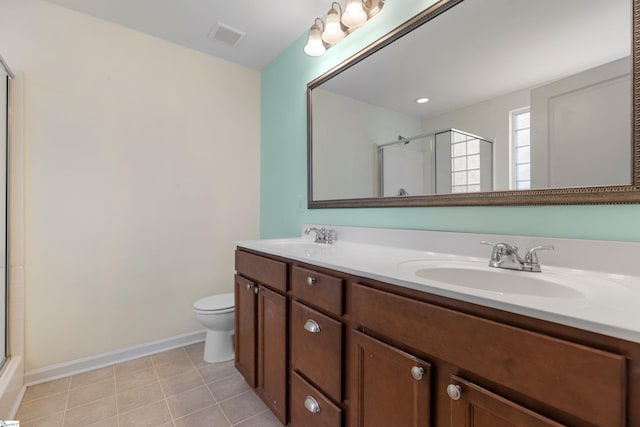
x: 516, y: 372
x: 261, y: 328
x: 325, y: 348
x: 317, y: 347
x: 389, y: 387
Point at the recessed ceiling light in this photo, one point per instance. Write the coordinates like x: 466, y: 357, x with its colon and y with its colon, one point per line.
x: 422, y: 100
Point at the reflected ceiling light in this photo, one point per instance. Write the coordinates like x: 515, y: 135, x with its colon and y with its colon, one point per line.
x: 314, y: 46
x: 422, y: 100
x: 339, y: 23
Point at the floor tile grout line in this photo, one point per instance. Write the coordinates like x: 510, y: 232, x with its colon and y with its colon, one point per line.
x: 252, y: 416
x: 214, y: 398
x: 66, y: 402
x: 115, y: 390
x: 164, y: 396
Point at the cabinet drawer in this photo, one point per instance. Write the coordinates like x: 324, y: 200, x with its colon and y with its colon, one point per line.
x: 304, y: 398
x: 585, y: 382
x: 316, y: 348
x: 321, y: 290
x: 264, y: 270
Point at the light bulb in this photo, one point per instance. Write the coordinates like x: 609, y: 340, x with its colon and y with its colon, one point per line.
x: 314, y: 46
x: 354, y: 14
x: 333, y: 33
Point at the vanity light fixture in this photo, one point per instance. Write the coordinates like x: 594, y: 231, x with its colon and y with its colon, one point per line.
x: 422, y: 100
x: 339, y: 23
x: 315, y: 46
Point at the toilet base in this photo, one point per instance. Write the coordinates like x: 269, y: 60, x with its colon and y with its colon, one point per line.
x: 218, y: 346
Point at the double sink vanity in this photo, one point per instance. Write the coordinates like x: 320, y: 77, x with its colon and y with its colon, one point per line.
x: 414, y: 328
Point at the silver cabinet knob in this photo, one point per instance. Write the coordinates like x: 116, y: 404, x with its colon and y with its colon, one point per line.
x: 417, y: 372
x: 454, y: 391
x: 250, y: 285
x: 256, y: 289
x: 312, y: 405
x: 312, y: 326
x: 311, y: 280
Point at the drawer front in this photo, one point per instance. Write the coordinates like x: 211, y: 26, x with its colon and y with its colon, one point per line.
x: 309, y: 408
x: 321, y: 290
x: 582, y: 381
x: 316, y: 348
x: 264, y: 270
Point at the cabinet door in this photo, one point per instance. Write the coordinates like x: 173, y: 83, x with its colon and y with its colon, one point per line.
x: 245, y: 333
x: 473, y: 406
x: 272, y: 351
x: 389, y: 387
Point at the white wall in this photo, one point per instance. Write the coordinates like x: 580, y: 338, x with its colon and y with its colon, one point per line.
x: 142, y: 163
x: 345, y: 132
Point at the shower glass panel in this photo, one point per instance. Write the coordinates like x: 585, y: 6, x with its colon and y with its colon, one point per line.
x: 4, y: 141
x: 448, y: 161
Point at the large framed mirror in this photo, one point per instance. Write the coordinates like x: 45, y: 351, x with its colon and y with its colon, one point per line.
x: 529, y: 102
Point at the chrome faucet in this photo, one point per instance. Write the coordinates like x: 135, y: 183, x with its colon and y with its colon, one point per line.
x: 323, y: 235
x: 505, y: 255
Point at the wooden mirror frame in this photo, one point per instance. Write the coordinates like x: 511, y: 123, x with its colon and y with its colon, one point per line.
x: 619, y: 194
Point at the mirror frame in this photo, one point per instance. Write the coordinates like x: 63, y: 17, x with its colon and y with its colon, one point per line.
x: 619, y: 194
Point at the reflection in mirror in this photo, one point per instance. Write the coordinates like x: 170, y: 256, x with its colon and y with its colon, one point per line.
x: 448, y: 161
x: 546, y: 84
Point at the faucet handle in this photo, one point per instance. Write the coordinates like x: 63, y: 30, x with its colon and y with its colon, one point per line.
x: 531, y: 262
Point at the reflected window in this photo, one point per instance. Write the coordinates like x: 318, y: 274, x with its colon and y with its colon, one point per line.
x: 465, y: 163
x: 521, y: 149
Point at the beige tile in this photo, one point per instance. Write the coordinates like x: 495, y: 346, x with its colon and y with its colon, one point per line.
x: 90, y: 413
x: 263, y: 419
x: 208, y: 417
x: 133, y: 365
x: 228, y: 387
x: 42, y: 407
x: 136, y: 379
x: 178, y: 366
x: 46, y: 389
x: 242, y: 407
x: 109, y: 422
x: 139, y: 396
x: 218, y: 371
x: 151, y: 415
x: 195, y: 349
x: 54, y: 420
x: 169, y: 356
x: 83, y: 395
x: 179, y: 383
x: 92, y: 377
x: 190, y: 401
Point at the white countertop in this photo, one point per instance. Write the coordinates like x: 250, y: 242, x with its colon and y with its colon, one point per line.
x: 603, y: 302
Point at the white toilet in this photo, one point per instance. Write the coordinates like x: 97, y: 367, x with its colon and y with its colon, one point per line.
x: 216, y: 314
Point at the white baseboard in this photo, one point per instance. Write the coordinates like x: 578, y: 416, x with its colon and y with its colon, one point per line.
x: 61, y: 370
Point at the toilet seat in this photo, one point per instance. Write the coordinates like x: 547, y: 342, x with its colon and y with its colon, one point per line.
x: 215, y: 304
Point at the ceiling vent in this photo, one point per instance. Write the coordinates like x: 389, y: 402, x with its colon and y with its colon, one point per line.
x: 225, y: 34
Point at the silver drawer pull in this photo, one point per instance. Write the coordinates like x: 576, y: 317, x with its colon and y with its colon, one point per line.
x: 311, y: 280
x: 417, y: 372
x: 312, y: 326
x: 454, y: 391
x: 312, y: 405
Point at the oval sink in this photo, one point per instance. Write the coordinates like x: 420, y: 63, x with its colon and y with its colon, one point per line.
x: 479, y: 276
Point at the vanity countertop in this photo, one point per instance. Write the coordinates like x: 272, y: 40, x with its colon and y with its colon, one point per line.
x: 597, y: 301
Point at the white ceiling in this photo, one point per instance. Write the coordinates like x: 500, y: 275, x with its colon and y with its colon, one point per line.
x: 481, y: 49
x: 270, y: 26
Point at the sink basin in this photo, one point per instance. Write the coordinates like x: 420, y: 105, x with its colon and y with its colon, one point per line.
x: 479, y: 276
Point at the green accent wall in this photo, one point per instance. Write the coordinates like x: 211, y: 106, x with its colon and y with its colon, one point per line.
x: 283, y: 174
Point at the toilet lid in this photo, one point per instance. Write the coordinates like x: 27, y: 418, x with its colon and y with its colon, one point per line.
x: 215, y: 302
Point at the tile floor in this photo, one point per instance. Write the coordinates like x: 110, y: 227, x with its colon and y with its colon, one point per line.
x: 171, y: 389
